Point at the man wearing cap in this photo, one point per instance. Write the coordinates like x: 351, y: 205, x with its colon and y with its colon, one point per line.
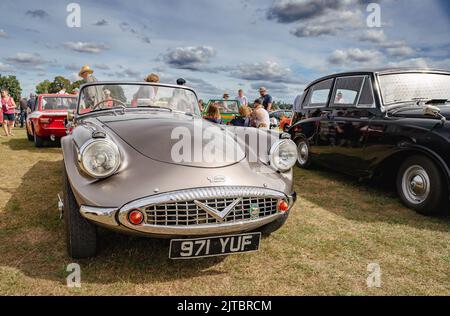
x: 92, y: 95
x: 265, y: 99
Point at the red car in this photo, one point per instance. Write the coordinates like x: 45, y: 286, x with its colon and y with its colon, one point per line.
x: 47, y: 121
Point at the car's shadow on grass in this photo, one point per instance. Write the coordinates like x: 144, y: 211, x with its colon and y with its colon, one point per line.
x: 23, y: 144
x: 368, y: 201
x: 32, y: 241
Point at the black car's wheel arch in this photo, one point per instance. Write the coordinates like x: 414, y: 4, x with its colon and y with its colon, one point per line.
x: 390, y: 165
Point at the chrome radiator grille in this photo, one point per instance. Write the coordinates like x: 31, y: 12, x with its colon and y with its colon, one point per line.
x: 188, y: 213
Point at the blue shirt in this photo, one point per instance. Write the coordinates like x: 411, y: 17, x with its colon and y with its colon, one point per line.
x: 265, y: 100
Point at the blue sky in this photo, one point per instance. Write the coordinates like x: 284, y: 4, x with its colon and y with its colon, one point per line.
x: 220, y: 46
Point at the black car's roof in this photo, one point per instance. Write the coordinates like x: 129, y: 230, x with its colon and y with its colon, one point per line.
x: 380, y: 71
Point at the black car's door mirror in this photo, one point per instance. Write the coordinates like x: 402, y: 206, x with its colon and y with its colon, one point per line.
x: 287, y: 127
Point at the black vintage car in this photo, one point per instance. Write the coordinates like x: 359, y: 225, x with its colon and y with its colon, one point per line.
x: 390, y: 123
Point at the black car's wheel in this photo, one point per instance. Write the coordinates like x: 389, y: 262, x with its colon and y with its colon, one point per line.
x: 422, y: 187
x: 274, y: 226
x: 303, y: 150
x: 81, y: 235
x: 38, y: 141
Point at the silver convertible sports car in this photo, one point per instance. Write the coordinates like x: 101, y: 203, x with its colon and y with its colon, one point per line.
x: 140, y: 160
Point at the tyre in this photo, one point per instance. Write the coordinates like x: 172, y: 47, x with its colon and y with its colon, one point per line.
x: 30, y: 137
x: 38, y: 141
x: 81, y: 235
x: 422, y: 186
x: 274, y: 226
x: 303, y: 150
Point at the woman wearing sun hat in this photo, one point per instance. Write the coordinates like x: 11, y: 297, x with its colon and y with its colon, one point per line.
x: 92, y: 95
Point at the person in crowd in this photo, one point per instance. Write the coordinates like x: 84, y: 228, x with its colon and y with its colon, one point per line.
x: 23, y: 111
x: 213, y: 114
x: 226, y: 96
x: 201, y: 105
x: 76, y: 91
x: 63, y: 91
x: 339, y: 98
x: 265, y: 99
x: 8, y: 109
x: 32, y: 102
x: 244, y: 118
x: 181, y: 82
x: 146, y: 92
x: 242, y: 98
x: 109, y: 103
x: 260, y: 116
x: 92, y: 95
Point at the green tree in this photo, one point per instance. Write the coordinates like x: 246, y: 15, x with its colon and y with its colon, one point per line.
x: 75, y: 85
x: 58, y: 84
x: 43, y: 87
x: 12, y: 85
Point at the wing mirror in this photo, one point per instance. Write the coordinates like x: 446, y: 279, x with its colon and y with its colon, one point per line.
x: 431, y: 110
x: 287, y: 127
x: 70, y: 116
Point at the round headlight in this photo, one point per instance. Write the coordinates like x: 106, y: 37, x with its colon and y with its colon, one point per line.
x: 100, y: 158
x: 283, y: 155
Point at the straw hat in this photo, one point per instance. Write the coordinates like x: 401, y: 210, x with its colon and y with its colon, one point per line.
x: 85, y: 69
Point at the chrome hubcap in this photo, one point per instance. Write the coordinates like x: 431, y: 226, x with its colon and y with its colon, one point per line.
x: 416, y: 184
x: 303, y: 153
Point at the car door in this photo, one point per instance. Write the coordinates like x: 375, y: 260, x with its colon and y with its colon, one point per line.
x: 318, y: 117
x: 352, y: 108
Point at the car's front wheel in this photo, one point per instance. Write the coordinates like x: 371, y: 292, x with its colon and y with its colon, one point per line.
x: 422, y: 187
x: 303, y: 150
x: 81, y: 235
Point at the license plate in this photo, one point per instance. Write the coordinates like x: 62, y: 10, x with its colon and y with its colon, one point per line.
x: 214, y: 246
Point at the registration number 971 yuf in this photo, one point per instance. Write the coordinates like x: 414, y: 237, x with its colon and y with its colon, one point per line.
x: 214, y: 246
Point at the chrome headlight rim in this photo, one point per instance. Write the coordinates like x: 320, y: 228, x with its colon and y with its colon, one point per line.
x: 275, y: 147
x: 94, y: 142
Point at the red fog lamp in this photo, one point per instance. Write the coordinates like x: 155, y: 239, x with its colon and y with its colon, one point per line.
x: 282, y: 206
x: 136, y: 217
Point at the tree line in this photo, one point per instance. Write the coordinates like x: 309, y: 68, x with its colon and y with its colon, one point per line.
x: 58, y: 84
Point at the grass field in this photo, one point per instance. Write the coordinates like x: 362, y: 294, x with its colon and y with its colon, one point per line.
x: 337, y: 228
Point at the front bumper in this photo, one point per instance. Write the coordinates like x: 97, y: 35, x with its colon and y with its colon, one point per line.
x: 117, y: 218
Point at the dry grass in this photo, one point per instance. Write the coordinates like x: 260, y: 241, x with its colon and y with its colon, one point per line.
x: 337, y: 228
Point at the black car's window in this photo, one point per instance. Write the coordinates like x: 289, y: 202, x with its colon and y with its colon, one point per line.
x: 347, y: 91
x: 319, y: 94
x: 367, y: 99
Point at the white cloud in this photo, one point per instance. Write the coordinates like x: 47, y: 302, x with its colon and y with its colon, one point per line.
x: 402, y: 51
x: 355, y: 56
x: 86, y: 47
x: 267, y: 71
x: 26, y: 59
x: 331, y: 23
x: 373, y: 36
x: 6, y: 68
x: 191, y: 57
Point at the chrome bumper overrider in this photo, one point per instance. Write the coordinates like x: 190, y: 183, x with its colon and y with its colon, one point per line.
x: 118, y: 217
